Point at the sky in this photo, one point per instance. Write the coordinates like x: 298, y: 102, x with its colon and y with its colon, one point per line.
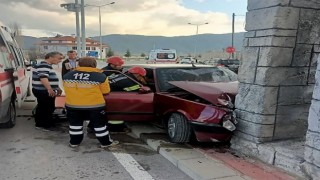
x: 40, y: 18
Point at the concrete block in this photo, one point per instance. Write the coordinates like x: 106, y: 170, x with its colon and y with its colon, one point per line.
x: 293, y: 95
x: 202, y: 168
x: 275, y: 56
x: 275, y: 76
x: 248, y: 61
x: 309, y: 25
x: 316, y: 92
x: 245, y: 42
x: 276, y: 32
x: 266, y: 154
x: 244, y: 146
x: 257, y: 99
x: 313, y: 4
x: 314, y: 116
x: 250, y: 34
x: 272, y: 18
x: 312, y: 74
x: 312, y: 155
x: 289, y: 164
x: 257, y: 130
x: 311, y: 171
x: 174, y: 155
x: 258, y: 4
x: 302, y: 55
x: 248, y: 137
x: 314, y: 60
x: 291, y: 121
x: 255, y: 118
x: 272, y: 41
x: 313, y: 139
x: 316, y: 48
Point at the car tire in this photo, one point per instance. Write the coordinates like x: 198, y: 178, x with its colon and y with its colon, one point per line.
x: 11, y: 116
x: 178, y: 128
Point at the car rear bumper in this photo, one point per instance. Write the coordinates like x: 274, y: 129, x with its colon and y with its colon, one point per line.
x: 210, y: 132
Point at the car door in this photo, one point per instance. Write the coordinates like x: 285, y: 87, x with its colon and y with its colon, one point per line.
x: 130, y: 106
x: 22, y: 81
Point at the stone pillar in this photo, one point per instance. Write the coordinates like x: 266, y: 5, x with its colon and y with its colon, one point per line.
x: 276, y: 77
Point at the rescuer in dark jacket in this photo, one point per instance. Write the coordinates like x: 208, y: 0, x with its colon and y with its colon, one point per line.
x: 114, y: 63
x: 121, y: 82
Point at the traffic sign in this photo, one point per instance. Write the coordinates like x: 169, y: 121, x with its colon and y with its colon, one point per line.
x: 230, y: 49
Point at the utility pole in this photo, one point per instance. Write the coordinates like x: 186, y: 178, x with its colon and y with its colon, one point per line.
x: 100, y: 27
x: 232, y: 38
x: 77, y: 5
x: 83, y: 30
x: 195, y: 41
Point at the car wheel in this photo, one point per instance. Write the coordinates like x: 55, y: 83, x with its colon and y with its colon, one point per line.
x: 11, y: 116
x: 178, y: 130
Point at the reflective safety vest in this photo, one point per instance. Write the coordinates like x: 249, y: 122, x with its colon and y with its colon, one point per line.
x: 84, y: 88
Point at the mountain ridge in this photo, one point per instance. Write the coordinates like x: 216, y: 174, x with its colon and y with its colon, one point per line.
x: 138, y: 44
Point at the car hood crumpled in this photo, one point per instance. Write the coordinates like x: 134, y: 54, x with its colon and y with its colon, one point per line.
x: 209, y: 91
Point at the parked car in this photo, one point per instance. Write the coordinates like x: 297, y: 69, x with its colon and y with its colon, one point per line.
x: 232, y: 64
x: 213, y: 62
x: 187, y: 60
x: 186, y: 98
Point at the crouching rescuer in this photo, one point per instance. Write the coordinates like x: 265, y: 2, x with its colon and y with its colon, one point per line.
x: 85, y: 88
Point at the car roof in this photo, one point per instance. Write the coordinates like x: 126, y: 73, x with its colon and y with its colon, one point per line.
x: 156, y: 66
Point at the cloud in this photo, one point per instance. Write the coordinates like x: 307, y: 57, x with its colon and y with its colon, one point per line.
x: 152, y: 17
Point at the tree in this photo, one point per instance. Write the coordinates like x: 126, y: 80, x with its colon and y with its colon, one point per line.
x: 16, y: 28
x: 110, y: 53
x: 128, y: 54
x: 143, y: 55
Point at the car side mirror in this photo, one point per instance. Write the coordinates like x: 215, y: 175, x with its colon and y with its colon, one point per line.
x: 144, y: 90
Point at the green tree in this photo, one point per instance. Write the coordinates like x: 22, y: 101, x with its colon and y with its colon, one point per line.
x: 128, y: 54
x: 110, y: 53
x: 143, y: 55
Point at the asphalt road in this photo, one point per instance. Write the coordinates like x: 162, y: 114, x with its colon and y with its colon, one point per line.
x: 27, y: 153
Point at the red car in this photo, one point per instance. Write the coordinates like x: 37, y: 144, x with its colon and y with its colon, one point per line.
x: 187, y: 98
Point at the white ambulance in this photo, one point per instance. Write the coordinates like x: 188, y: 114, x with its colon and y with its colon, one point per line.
x: 14, y: 82
x: 162, y: 56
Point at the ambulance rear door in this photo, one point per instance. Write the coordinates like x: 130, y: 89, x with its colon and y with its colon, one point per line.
x: 21, y: 80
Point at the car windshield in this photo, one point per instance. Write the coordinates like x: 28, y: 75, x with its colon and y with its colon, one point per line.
x: 199, y: 74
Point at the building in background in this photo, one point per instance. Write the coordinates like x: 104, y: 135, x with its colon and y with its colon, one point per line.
x: 65, y: 43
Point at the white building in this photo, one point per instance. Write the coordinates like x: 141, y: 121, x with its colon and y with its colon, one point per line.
x: 65, y: 43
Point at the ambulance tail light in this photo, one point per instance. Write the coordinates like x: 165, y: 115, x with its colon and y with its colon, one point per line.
x: 18, y: 90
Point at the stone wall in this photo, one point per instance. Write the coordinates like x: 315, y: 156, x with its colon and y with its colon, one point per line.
x: 277, y: 77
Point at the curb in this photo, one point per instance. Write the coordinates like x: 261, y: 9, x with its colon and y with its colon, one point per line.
x: 201, y: 164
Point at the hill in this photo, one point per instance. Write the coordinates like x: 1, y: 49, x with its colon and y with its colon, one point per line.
x: 138, y: 44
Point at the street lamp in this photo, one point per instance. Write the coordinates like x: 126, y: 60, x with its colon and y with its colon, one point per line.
x: 99, y: 6
x: 75, y: 7
x: 195, y: 41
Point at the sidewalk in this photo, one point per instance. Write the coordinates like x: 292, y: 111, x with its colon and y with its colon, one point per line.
x: 207, y: 163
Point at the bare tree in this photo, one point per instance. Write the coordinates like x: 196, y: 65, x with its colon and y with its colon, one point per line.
x: 16, y: 28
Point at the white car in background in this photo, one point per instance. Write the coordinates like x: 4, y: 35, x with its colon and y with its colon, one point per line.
x: 187, y: 60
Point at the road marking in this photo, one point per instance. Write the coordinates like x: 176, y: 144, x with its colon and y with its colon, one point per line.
x: 136, y: 171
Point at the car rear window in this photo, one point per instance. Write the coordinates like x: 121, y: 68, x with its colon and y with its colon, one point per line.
x: 199, y: 74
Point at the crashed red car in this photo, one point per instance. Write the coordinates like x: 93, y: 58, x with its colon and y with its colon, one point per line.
x: 186, y: 98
